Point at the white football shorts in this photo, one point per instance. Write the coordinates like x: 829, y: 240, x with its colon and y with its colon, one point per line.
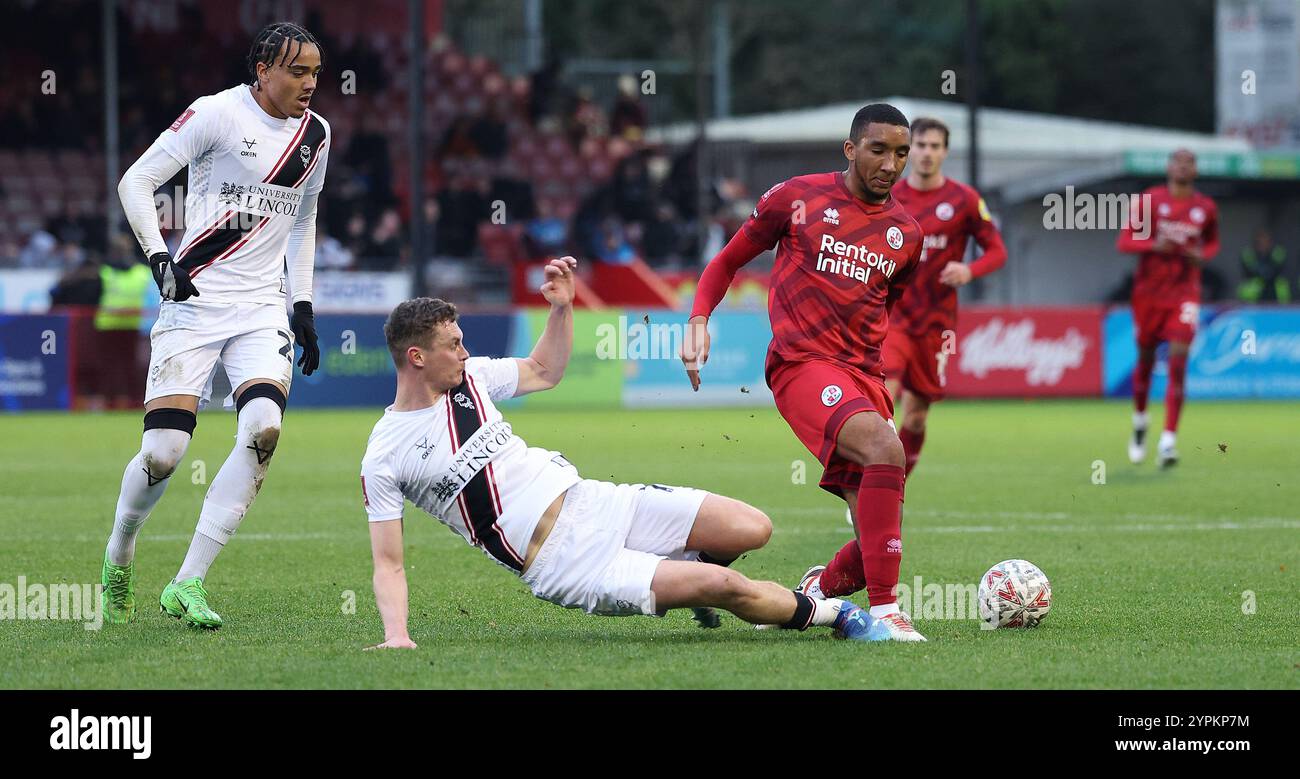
x: 603, y: 550
x: 251, y: 340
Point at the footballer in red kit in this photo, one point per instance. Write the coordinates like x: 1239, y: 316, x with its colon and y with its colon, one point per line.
x: 844, y: 252
x: 922, y: 327
x: 1174, y: 231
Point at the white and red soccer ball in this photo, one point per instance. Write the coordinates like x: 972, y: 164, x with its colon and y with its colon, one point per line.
x: 1014, y: 594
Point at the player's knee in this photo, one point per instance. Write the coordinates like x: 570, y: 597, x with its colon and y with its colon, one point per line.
x: 261, y: 410
x: 728, y: 586
x: 167, y: 433
x: 877, y: 445
x: 756, y: 528
x: 915, y: 420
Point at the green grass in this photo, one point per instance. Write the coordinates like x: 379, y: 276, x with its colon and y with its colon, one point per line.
x: 1148, y: 569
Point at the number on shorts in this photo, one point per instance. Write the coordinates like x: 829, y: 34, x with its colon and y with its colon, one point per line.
x: 286, y: 351
x: 1189, y: 313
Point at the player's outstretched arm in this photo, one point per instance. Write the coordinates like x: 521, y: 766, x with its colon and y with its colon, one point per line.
x: 390, y: 583
x: 544, y: 367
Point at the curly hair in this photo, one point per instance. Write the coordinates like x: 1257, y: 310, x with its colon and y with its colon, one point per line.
x: 268, y: 41
x: 412, y: 323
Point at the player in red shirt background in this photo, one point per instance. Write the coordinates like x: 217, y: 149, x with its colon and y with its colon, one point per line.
x: 922, y: 328
x: 1183, y: 235
x: 844, y: 251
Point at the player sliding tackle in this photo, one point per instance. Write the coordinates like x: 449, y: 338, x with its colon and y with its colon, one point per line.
x: 609, y: 549
x: 844, y: 252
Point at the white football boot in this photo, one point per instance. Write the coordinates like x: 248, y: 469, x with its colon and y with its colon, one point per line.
x: 895, y: 627
x: 1137, y: 443
x: 1166, y: 452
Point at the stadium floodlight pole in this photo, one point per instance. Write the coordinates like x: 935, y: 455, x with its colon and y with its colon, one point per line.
x: 721, y: 59
x: 973, y: 91
x: 112, y: 208
x: 699, y: 58
x: 416, y: 167
x: 532, y: 35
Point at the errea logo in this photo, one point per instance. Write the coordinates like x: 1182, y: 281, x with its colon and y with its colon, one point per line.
x: 831, y: 216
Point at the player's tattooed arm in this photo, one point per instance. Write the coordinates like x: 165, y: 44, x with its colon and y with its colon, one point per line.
x: 544, y: 367
x: 390, y: 583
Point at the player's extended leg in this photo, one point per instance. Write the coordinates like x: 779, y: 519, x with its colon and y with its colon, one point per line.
x: 912, y: 432
x: 1146, y: 363
x: 724, y: 529
x: 168, y: 425
x: 867, y: 439
x: 679, y: 583
x: 260, y: 406
x: 1166, y: 451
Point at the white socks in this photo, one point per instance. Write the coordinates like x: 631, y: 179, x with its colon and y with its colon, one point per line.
x: 1167, y: 439
x: 143, y: 483
x: 1140, y: 420
x: 883, y: 610
x: 235, y: 485
x: 826, y: 611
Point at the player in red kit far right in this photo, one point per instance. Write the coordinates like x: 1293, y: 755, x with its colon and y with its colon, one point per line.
x: 844, y: 251
x: 923, y: 324
x: 1181, y: 234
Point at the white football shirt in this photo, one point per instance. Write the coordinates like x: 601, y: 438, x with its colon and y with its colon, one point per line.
x: 249, y: 173
x: 461, y: 462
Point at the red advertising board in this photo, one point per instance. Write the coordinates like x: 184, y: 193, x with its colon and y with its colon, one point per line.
x: 1026, y: 352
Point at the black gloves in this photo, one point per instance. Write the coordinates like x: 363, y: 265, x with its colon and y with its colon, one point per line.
x: 172, y: 280
x: 303, y: 323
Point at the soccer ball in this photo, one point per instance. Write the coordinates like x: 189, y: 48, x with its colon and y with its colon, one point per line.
x: 1014, y: 594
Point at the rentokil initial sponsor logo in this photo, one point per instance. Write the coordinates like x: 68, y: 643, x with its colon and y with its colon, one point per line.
x: 853, y: 261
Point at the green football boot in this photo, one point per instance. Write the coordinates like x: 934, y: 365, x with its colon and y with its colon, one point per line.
x: 117, y: 601
x: 188, y: 600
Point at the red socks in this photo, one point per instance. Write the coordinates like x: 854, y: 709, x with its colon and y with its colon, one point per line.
x: 912, y: 443
x: 1142, y: 382
x: 1174, y: 391
x: 874, y: 559
x: 844, y: 574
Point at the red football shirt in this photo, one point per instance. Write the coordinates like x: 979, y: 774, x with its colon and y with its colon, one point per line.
x: 1166, y: 277
x: 840, y: 265
x: 949, y: 215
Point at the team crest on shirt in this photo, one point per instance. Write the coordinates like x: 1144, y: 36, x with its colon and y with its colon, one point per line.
x: 231, y: 194
x: 463, y: 401
x: 943, y: 211
x: 1197, y: 214
x: 832, y: 216
x: 895, y: 238
x: 831, y: 395
x: 304, y: 153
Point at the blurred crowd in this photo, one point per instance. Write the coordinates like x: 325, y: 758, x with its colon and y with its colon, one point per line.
x: 564, y: 170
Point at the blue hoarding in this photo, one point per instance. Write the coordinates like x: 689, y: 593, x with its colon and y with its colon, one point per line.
x: 356, y: 369
x: 1239, y: 352
x: 35, y: 354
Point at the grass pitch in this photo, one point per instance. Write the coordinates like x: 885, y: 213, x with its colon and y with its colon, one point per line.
x: 1181, y: 579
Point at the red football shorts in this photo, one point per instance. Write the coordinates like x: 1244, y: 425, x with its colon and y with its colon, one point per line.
x: 917, y: 361
x: 1157, y: 321
x: 816, y: 399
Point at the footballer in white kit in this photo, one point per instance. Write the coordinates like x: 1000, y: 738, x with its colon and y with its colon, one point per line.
x: 608, y: 549
x: 256, y: 156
